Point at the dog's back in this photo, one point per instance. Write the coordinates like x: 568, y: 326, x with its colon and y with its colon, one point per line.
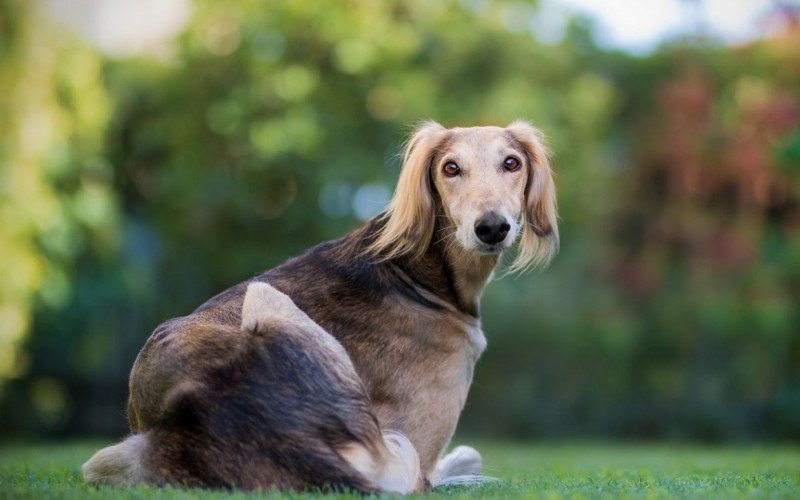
x: 274, y: 403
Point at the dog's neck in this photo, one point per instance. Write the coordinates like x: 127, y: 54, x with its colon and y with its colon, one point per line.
x: 471, y: 271
x: 451, y: 272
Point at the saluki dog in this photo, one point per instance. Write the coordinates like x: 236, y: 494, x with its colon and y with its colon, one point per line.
x: 346, y: 368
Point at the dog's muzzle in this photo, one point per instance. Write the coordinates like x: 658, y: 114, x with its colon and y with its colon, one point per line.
x: 491, y: 228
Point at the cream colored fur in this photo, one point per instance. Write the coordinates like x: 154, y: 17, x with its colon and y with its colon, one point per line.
x: 463, y: 462
x: 396, y: 470
x: 527, y: 200
x: 119, y: 464
x: 264, y: 304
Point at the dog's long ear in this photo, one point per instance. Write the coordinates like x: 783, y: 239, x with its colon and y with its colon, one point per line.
x: 539, y: 239
x: 409, y: 220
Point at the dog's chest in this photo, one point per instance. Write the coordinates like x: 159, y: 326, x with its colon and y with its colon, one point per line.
x: 420, y: 384
x: 456, y: 365
x: 447, y: 350
x: 416, y: 363
x: 476, y: 341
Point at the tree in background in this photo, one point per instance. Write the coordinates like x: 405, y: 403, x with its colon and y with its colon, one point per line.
x: 272, y: 126
x: 56, y: 194
x: 709, y: 239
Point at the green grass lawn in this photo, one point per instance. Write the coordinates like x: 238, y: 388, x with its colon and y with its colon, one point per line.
x: 523, y: 470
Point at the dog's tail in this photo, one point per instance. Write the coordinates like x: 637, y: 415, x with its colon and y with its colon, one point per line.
x: 120, y: 464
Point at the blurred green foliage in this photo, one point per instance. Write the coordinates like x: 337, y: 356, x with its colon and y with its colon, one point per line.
x: 135, y: 188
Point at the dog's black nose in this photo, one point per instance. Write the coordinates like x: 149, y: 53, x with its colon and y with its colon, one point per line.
x: 491, y: 228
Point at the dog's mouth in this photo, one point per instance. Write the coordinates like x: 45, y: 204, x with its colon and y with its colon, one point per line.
x: 490, y: 249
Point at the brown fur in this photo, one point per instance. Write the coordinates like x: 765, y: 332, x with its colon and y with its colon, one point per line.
x: 384, y: 337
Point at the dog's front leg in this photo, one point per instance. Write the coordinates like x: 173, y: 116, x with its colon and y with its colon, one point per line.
x: 463, y: 464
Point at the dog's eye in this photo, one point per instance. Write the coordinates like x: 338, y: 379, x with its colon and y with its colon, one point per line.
x: 450, y: 169
x: 511, y: 164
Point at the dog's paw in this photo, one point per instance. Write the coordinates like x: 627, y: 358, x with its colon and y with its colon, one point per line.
x: 463, y: 461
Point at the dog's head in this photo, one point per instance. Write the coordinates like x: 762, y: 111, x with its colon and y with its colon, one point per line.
x: 492, y: 186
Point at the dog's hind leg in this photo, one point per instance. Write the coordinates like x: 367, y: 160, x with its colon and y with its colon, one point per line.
x: 272, y: 403
x: 120, y: 464
x: 386, y: 460
x: 395, y: 469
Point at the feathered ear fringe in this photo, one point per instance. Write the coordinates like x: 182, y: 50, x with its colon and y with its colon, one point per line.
x: 408, y: 222
x: 539, y: 240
